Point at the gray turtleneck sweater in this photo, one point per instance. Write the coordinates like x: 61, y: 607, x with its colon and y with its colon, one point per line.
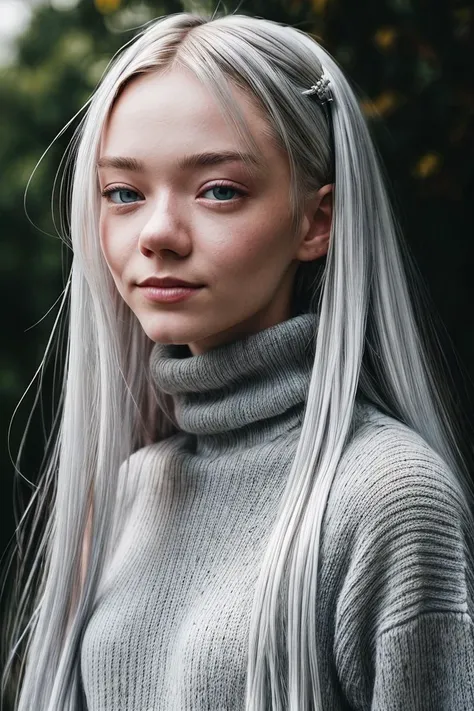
x: 170, y: 630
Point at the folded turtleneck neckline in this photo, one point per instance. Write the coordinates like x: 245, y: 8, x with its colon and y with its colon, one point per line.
x: 241, y: 393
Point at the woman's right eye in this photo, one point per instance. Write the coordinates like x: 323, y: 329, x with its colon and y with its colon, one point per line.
x: 125, y: 195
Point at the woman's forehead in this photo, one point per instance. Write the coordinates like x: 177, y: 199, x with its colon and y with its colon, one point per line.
x: 172, y: 114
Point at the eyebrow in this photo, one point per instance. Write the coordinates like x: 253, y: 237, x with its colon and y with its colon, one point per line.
x: 188, y: 162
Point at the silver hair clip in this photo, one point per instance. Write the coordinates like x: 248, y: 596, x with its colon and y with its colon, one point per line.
x: 321, y: 89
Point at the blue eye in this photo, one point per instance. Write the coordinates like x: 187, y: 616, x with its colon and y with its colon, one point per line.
x: 125, y: 193
x: 224, y: 188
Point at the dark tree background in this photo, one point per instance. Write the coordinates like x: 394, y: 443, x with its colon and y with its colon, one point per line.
x: 411, y: 63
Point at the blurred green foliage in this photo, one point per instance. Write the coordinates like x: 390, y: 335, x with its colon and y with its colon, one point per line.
x: 411, y: 63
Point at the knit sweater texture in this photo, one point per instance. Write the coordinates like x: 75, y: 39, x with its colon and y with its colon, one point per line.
x: 169, y: 631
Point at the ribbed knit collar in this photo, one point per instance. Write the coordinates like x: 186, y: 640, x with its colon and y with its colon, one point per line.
x: 242, y: 393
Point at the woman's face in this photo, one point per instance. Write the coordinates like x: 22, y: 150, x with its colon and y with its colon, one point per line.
x: 215, y: 224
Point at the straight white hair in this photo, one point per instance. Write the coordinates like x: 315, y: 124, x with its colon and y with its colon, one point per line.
x: 367, y: 343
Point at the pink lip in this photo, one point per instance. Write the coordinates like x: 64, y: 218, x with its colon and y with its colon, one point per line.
x: 168, y: 294
x: 161, y: 282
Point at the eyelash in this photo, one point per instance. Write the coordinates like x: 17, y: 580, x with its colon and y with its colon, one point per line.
x: 116, y: 188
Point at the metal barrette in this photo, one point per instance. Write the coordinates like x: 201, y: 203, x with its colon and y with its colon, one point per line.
x: 321, y: 89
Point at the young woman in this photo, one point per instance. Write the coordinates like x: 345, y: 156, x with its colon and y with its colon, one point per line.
x: 260, y: 501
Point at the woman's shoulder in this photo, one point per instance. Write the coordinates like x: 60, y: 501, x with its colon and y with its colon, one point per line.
x: 389, y: 478
x: 398, y: 522
x: 401, y: 538
x: 149, y: 453
x: 384, y: 453
x: 141, y: 471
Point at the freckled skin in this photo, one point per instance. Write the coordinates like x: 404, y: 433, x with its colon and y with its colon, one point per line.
x: 239, y: 246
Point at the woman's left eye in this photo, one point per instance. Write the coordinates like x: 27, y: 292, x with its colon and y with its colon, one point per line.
x: 223, y: 188
x: 125, y: 192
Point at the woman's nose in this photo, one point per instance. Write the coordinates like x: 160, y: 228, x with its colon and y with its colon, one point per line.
x: 163, y: 230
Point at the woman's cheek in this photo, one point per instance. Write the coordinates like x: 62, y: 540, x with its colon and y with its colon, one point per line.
x: 240, y: 252
x: 112, y: 245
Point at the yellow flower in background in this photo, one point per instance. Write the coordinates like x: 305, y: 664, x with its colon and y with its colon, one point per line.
x: 105, y: 6
x: 385, y: 37
x: 319, y: 5
x: 427, y: 165
x: 383, y: 104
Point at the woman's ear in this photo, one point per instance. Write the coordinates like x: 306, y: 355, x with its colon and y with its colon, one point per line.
x: 314, y: 242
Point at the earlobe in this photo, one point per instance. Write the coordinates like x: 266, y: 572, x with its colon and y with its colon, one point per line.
x: 313, y: 247
x: 324, y: 246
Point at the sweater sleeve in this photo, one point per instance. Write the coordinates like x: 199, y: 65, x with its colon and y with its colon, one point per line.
x: 404, y: 635
x: 426, y: 664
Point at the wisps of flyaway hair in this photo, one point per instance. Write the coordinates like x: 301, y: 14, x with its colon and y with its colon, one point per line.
x: 368, y: 343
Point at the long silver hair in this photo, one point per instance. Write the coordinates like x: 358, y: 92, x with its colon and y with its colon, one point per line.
x: 367, y: 342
